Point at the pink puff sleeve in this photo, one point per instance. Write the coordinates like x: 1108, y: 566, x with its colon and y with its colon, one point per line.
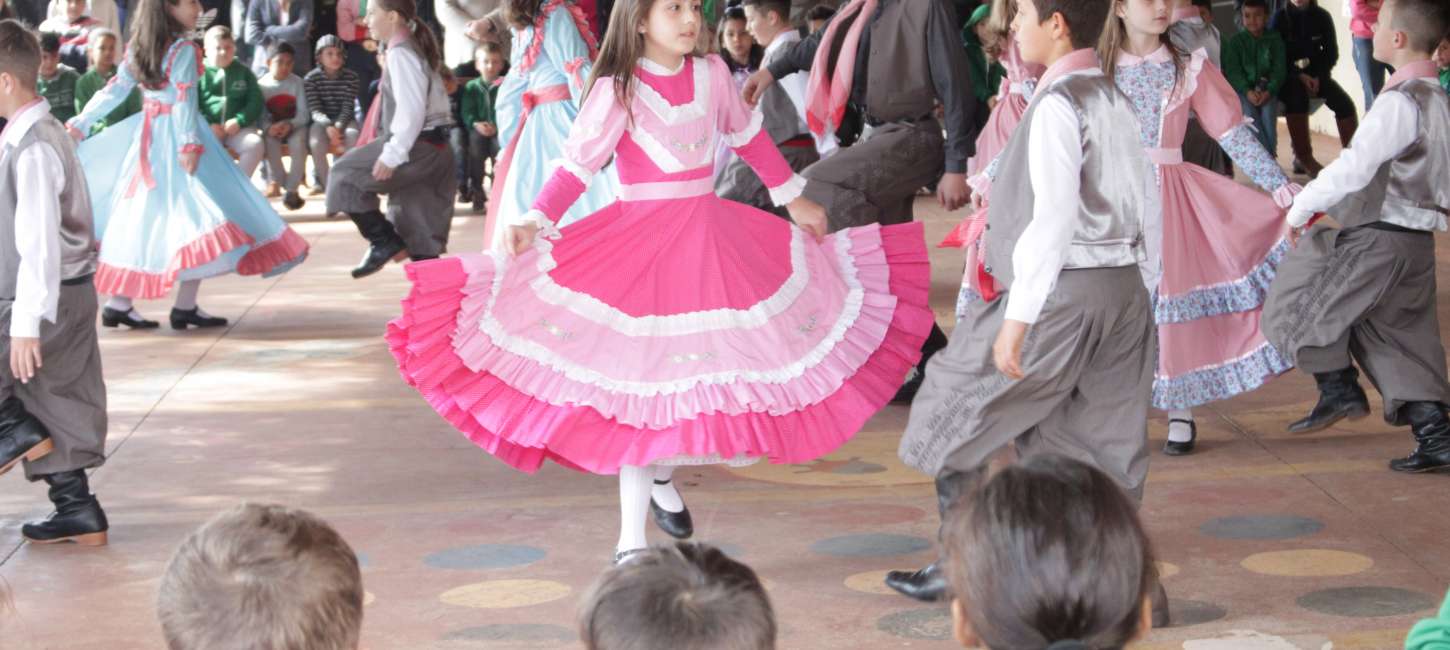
x: 592, y: 140
x: 743, y: 130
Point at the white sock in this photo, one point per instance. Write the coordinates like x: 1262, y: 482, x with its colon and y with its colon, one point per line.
x: 1178, y: 431
x: 186, y: 295
x: 119, y: 303
x: 666, y: 495
x: 634, y: 489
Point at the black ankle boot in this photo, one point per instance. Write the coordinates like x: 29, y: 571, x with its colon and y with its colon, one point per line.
x: 21, y: 435
x: 384, y: 244
x: 679, y: 525
x: 183, y: 318
x: 113, y: 317
x: 78, y: 516
x: 927, y: 585
x: 1432, y: 438
x: 1340, y: 397
x: 933, y: 344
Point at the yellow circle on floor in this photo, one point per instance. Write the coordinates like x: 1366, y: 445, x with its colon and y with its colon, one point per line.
x: 867, y: 460
x: 368, y: 598
x: 1307, y: 563
x: 1167, y: 570
x: 503, y: 594
x: 870, y: 582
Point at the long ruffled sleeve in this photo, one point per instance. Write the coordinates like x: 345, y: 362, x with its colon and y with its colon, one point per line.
x: 592, y: 141
x: 113, y: 94
x: 742, y: 128
x: 565, y: 32
x: 185, y: 72
x: 1221, y: 115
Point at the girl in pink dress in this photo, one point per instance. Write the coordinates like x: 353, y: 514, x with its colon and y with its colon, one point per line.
x: 1213, y: 245
x: 671, y: 327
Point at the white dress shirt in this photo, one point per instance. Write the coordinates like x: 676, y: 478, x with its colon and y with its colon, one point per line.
x: 408, y: 84
x: 794, y: 85
x: 39, y: 181
x: 1054, y: 162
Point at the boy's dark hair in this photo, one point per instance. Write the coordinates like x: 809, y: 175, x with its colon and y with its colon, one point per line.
x: 490, y: 47
x: 1258, y: 4
x: 19, y: 53
x: 1049, y: 549
x: 684, y: 596
x: 49, y: 43
x: 1085, y: 18
x: 778, y: 7
x: 262, y: 576
x: 821, y: 12
x: 1425, y: 22
x: 280, y: 49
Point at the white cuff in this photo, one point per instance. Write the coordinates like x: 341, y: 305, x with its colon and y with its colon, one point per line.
x: 577, y: 171
x: 24, y: 325
x: 547, y: 229
x: 1297, y: 217
x: 788, y: 191
x: 742, y: 137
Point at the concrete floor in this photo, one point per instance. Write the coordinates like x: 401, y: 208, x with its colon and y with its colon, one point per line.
x: 1268, y: 540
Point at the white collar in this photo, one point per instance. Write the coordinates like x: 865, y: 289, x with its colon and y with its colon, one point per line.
x: 655, y: 68
x: 20, y: 124
x: 784, y: 38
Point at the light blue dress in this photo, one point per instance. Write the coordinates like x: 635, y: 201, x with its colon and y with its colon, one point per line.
x: 158, y: 224
x: 539, y: 62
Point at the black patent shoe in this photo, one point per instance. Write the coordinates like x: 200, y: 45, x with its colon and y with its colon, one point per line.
x: 927, y: 585
x: 1175, y: 448
x: 184, y: 318
x: 114, y: 317
x: 378, y: 256
x: 678, y: 525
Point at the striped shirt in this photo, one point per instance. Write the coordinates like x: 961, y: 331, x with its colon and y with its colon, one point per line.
x: 331, y: 99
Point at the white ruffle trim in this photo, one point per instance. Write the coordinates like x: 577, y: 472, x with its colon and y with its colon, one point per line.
x: 547, y: 228
x: 788, y: 191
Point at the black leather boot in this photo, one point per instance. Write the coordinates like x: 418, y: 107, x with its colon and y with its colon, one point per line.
x: 1340, y: 397
x: 384, y: 244
x: 930, y: 583
x: 183, y: 318
x: 679, y: 525
x: 78, y: 516
x: 1432, y: 438
x: 935, y: 341
x: 21, y: 435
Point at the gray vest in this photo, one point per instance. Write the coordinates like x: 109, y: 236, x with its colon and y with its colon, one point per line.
x: 1409, y: 190
x: 782, y: 118
x: 1108, y: 231
x: 77, y: 237
x: 438, y: 112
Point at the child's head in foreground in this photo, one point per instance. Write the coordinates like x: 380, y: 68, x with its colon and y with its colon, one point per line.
x: 262, y: 577
x: 1048, y: 551
x: 19, y: 66
x: 682, y: 596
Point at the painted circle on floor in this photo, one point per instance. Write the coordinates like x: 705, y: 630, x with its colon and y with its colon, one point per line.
x: 867, y: 460
x: 363, y: 560
x: 871, y: 545
x: 870, y: 582
x: 504, y: 594
x: 931, y: 624
x: 514, y: 633
x: 875, y: 514
x: 485, y: 556
x: 1261, y: 527
x: 1184, y: 613
x: 1167, y: 570
x: 1366, y: 602
x: 1307, y: 563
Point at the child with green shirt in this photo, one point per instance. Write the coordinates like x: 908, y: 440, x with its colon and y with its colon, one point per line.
x: 57, y: 82
x: 478, y: 118
x: 103, y: 46
x: 1442, y: 59
x: 1255, y: 65
x: 231, y: 100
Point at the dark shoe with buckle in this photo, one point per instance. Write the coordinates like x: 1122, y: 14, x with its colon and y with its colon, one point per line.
x: 77, y: 518
x: 384, y: 243
x: 1432, y: 439
x: 293, y: 200
x: 678, y: 525
x: 927, y: 585
x: 1176, y: 448
x: 184, y: 318
x: 114, y: 317
x: 1340, y: 397
x: 935, y: 342
x: 22, y: 437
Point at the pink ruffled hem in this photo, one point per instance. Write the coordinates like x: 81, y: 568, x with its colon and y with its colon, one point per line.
x: 135, y: 283
x: 524, y: 431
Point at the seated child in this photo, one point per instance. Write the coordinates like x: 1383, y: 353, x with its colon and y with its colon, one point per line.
x: 684, y: 595
x: 1442, y: 59
x: 332, y: 92
x: 1255, y: 65
x: 102, y: 49
x: 1048, y: 553
x: 262, y: 576
x: 284, y: 122
x: 57, y: 82
x: 74, y: 29
x: 231, y: 101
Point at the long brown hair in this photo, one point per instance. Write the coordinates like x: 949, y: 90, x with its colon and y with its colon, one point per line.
x: 419, y: 31
x: 152, y: 32
x: 999, y: 26
x: 522, y: 13
x: 1110, y: 45
x: 622, y: 49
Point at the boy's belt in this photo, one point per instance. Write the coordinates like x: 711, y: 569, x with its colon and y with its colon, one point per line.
x: 77, y: 281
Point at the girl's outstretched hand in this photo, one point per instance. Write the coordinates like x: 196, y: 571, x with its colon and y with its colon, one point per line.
x: 188, y: 161
x: 809, y: 215
x: 521, y: 238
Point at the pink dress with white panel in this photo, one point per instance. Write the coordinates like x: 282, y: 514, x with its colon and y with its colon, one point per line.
x: 671, y: 326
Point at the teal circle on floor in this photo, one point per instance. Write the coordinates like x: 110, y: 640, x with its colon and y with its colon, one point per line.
x: 871, y: 545
x: 1366, y: 602
x: 485, y: 556
x: 514, y: 633
x: 1261, y: 527
x: 363, y: 560
x: 928, y: 624
x: 1183, y: 613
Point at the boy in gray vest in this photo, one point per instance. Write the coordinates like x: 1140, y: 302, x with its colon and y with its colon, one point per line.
x: 1071, y: 367
x: 52, y: 395
x: 1366, y: 291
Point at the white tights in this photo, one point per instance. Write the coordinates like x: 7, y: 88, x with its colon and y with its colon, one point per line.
x: 185, y: 299
x: 637, y: 485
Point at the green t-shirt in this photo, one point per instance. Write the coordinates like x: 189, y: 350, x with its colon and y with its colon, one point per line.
x: 1445, y: 79
x: 60, y: 92
x: 91, y: 83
